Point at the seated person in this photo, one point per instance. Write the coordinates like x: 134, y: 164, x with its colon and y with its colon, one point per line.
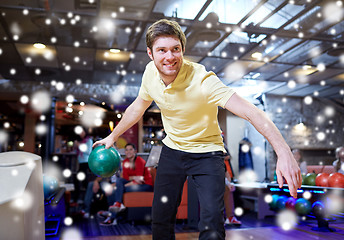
x: 228, y: 197
x: 298, y: 157
x: 135, y: 177
x: 96, y: 186
x: 339, y: 162
x: 84, y: 149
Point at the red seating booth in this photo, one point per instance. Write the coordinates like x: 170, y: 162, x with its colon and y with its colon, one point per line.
x: 139, y: 204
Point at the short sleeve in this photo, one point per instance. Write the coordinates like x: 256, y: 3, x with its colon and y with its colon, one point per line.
x: 143, y: 92
x: 216, y: 92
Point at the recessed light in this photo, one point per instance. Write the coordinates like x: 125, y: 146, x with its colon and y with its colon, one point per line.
x: 115, y: 50
x: 257, y: 55
x: 39, y: 45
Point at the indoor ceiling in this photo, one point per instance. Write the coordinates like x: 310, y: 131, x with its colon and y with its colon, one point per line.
x: 282, y: 47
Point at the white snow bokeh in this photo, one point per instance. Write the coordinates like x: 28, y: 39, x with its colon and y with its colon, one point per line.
x: 59, y: 86
x: 291, y: 84
x: 164, y: 199
x: 81, y: 176
x: 107, y: 188
x: 334, y: 202
x: 320, y: 119
x: 67, y: 173
x: 92, y: 116
x: 126, y: 165
x: 78, y: 129
x: 14, y: 172
x: 287, y: 219
x: 68, y: 221
x: 321, y: 67
x: 7, y: 125
x: 83, y: 147
x: 329, y: 111
x: 247, y: 177
x: 332, y: 12
x: 41, y: 101
x: 71, y: 234
x: 268, y: 198
x: 24, y: 99
x: 308, y: 100
x: 70, y: 98
x: 235, y: 71
x: 55, y: 158
x: 341, y: 59
x: 15, y: 29
x: 23, y: 202
x: 118, y: 94
x: 307, y: 195
x: 245, y: 148
x: 41, y: 129
x: 321, y: 136
x: 238, y: 211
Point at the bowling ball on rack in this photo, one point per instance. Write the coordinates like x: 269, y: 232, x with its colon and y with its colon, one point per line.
x: 104, y: 162
x: 318, y: 209
x: 322, y: 180
x: 290, y: 204
x: 303, y: 206
x: 303, y: 175
x: 310, y: 179
x: 281, y: 201
x: 50, y: 186
x: 336, y: 180
x: 273, y: 203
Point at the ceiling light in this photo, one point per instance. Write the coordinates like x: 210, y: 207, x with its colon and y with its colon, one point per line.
x: 300, y: 126
x: 257, y: 55
x: 254, y: 76
x: 114, y: 50
x: 305, y: 67
x: 39, y: 45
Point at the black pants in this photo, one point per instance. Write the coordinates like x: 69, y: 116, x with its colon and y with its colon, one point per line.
x: 207, y: 170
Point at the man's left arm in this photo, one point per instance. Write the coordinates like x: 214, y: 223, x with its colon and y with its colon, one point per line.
x: 286, y: 164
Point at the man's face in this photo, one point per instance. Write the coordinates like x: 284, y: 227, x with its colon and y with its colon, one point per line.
x: 167, y: 54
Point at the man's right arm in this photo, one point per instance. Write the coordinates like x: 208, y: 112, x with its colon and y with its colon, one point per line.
x: 131, y: 116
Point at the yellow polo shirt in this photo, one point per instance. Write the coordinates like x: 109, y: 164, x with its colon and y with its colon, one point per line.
x: 189, y: 106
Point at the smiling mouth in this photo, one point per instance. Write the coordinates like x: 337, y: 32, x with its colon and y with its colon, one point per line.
x: 170, y: 65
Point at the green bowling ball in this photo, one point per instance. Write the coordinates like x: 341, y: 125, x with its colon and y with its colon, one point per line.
x: 281, y: 201
x: 273, y: 203
x: 303, y: 178
x: 303, y: 206
x: 310, y: 179
x: 104, y: 162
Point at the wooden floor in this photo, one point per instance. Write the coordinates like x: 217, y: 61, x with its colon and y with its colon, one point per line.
x: 261, y: 233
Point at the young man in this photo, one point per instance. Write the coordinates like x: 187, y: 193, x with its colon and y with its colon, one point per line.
x: 188, y: 97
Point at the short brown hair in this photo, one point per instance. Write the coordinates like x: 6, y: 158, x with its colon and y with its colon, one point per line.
x: 165, y: 27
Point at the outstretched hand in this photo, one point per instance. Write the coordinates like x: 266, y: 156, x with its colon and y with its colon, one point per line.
x: 288, y: 168
x: 108, y: 142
